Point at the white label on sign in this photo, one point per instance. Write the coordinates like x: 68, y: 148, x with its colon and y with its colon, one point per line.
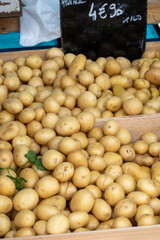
x: 66, y: 3
x: 8, y: 6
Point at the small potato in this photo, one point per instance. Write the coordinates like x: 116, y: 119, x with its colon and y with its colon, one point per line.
x: 56, y: 201
x: 57, y: 224
x: 34, y: 61
x: 33, y: 127
x: 6, y: 158
x: 113, y: 104
x: 11, y: 82
x: 3, y: 93
x: 86, y: 78
x: 122, y: 80
x: 77, y: 158
x: 69, y: 102
x: 86, y: 99
x: 95, y: 89
x: 7, y: 186
x: 47, y: 186
x: 141, y: 83
x: 96, y: 163
x: 24, y: 218
x: 94, y: 177
x: 5, y: 204
x: 103, y: 181
x: 140, y: 147
x: 40, y: 227
x: 68, y: 58
x: 30, y: 176
x: 114, y: 193
x: 54, y: 142
x: 78, y: 219
x: 101, y: 210
x: 95, y: 132
x: 142, y: 210
x: 25, y: 97
x: 147, y: 220
x: 133, y: 106
x: 51, y: 105
x: 67, y: 126
x: 94, y: 190
x: 139, y: 197
x: 103, y: 81
x: 25, y: 73
x: 41, y: 95
x: 86, y: 121
x: 9, y: 66
x: 124, y: 62
x: 95, y: 149
x: 110, y: 143
x: 63, y: 172
x: 148, y: 186
x: 13, y: 105
x: 5, y: 224
x: 49, y: 120
x: 93, y: 222
x: 73, y: 90
x: 130, y: 73
x: 66, y: 81
x: 111, y: 127
x: 124, y: 136
x: 5, y: 145
x: 144, y: 160
x: 153, y: 75
x: 155, y: 205
x: 25, y: 232
x: 82, y: 200
x: 27, y: 198
x: 148, y: 110
x: 154, y: 149
x: 76, y: 66
x: 154, y: 103
x: 68, y: 144
x: 112, y: 158
x: 81, y: 177
x: 49, y: 65
x: 10, y: 234
x: 44, y: 135
x: 94, y: 68
x: 125, y: 208
x: 127, y: 182
x: 142, y: 96
x: 127, y: 153
x: 112, y: 67
x: 67, y: 190
x: 44, y: 211
x: 20, y: 61
x: 27, y: 115
x: 82, y: 138
x: 121, y: 222
x: 114, y: 171
x: 54, y: 52
x: 19, y: 155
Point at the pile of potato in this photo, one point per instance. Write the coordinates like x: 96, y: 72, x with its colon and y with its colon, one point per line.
x: 94, y: 178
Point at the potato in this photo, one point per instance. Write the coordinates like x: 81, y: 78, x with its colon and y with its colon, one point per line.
x: 95, y: 132
x: 113, y: 194
x: 5, y: 145
x: 155, y: 171
x: 127, y: 153
x: 142, y: 210
x: 148, y: 186
x: 63, y: 172
x: 67, y: 189
x: 101, y: 210
x: 25, y: 73
x: 94, y: 68
x: 24, y: 218
x: 6, y: 158
x: 125, y: 208
x: 30, y: 176
x: 103, y: 226
x: 51, y: 105
x: 94, y: 190
x: 133, y: 106
x: 5, y: 204
x: 78, y: 219
x: 44, y: 135
x: 77, y: 158
x: 95, y: 149
x: 56, y: 201
x: 144, y: 160
x: 13, y: 105
x: 27, y: 115
x: 103, y: 181
x: 154, y: 204
x: 124, y: 136
x: 27, y: 198
x: 34, y: 61
x: 9, y: 66
x: 5, y: 224
x: 67, y: 126
x: 25, y: 232
x: 121, y: 80
x: 127, y: 182
x: 153, y: 75
x: 82, y: 200
x: 47, y: 186
x: 57, y: 224
x: 154, y: 149
x: 113, y: 170
x: 11, y: 82
x: 44, y: 211
x: 81, y: 177
x: 112, y: 67
x: 112, y: 158
x: 139, y: 197
x: 93, y: 222
x: 10, y: 234
x: 7, y: 186
x: 86, y: 121
x: 141, y: 83
x: 130, y: 73
x: 147, y: 220
x: 54, y: 52
x: 19, y: 155
x: 86, y: 99
x: 124, y: 62
x: 154, y: 103
x: 68, y: 144
x: 51, y: 159
x: 121, y: 222
x: 96, y: 163
x: 3, y: 93
x: 110, y: 143
x: 40, y: 227
x: 111, y: 127
x: 53, y: 143
x: 76, y: 66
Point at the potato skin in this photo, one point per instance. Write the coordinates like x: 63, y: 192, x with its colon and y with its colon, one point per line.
x: 153, y: 75
x: 77, y: 65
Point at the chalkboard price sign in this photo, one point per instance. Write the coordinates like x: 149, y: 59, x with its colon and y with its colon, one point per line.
x: 104, y: 28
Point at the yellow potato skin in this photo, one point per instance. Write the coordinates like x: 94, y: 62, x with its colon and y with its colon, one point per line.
x: 153, y: 75
x: 77, y: 65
